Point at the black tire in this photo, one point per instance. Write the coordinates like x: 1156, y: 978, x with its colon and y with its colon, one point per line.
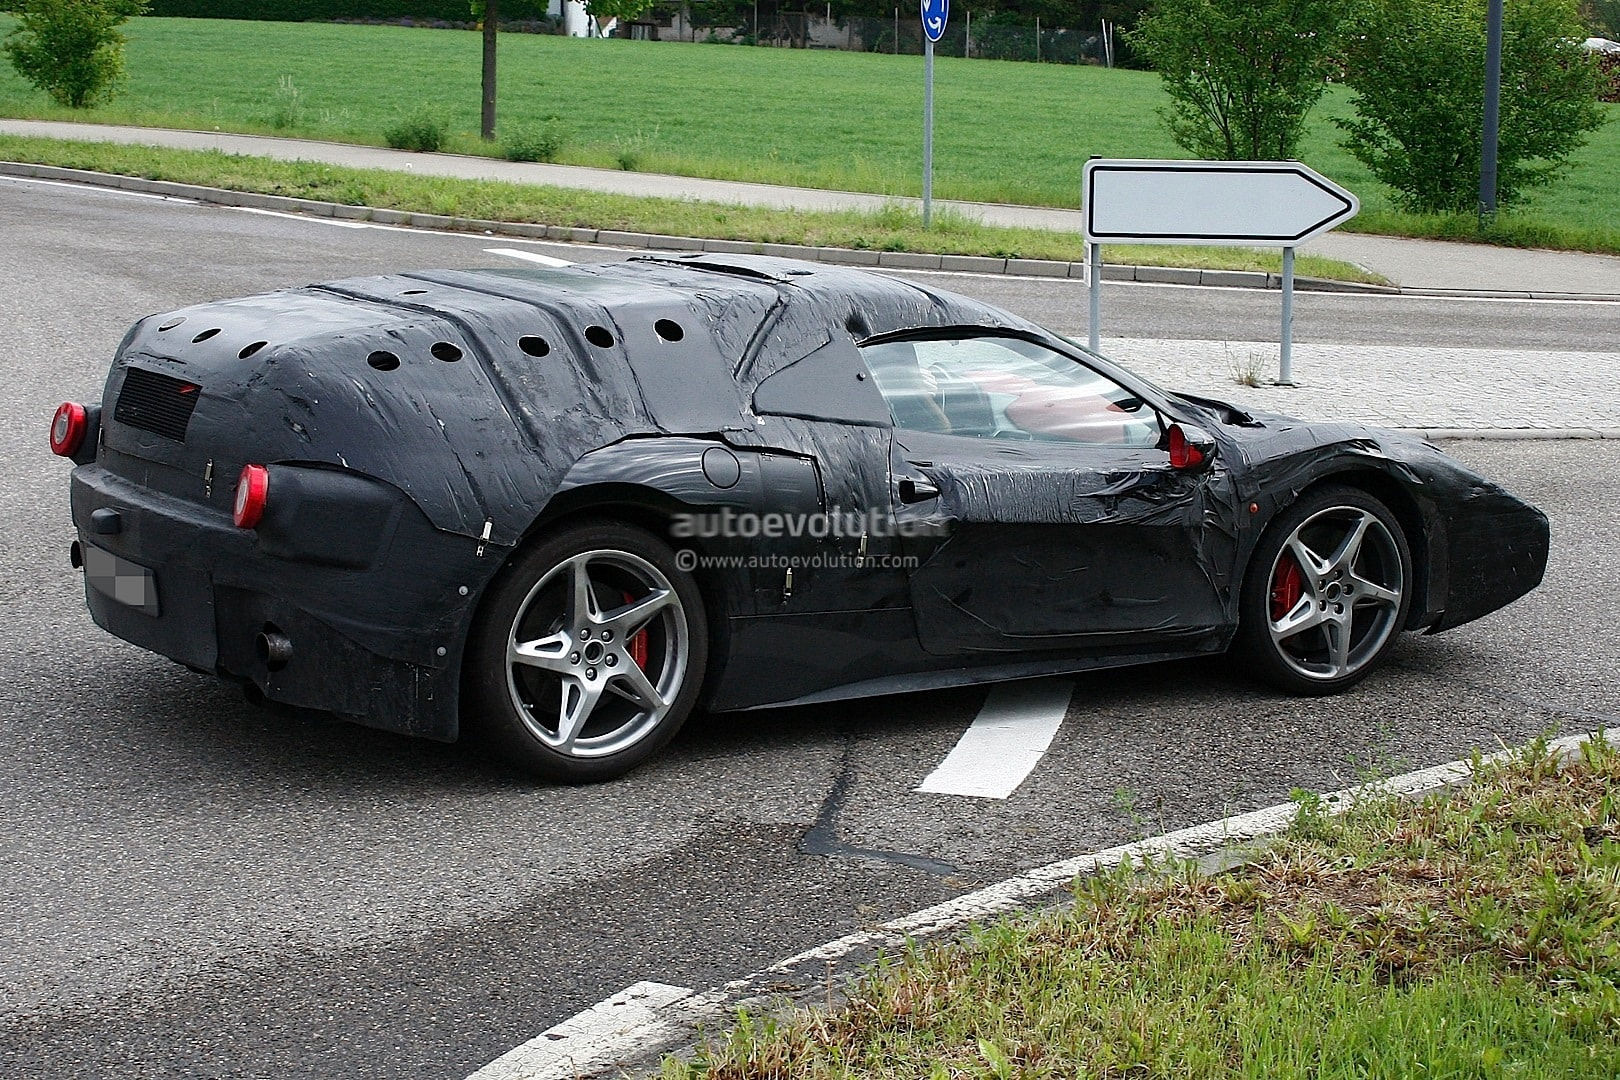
x: 576, y: 691
x: 1321, y: 628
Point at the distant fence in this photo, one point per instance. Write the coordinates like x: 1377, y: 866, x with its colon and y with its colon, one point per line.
x: 427, y: 11
x: 769, y: 24
x: 726, y: 22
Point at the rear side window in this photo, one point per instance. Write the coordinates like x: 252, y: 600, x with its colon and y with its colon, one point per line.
x: 1006, y: 388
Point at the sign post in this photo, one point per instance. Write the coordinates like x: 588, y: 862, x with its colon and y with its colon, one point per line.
x: 1250, y: 203
x: 934, y: 14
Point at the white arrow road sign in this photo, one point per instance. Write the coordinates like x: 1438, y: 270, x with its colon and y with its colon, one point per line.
x: 1270, y: 203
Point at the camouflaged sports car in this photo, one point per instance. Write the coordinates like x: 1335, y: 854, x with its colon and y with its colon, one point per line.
x: 567, y: 506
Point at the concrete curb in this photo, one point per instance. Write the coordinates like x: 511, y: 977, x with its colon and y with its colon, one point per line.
x: 894, y: 260
x: 1513, y: 434
x: 672, y: 1019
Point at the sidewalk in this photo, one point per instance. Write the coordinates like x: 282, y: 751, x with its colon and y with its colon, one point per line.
x: 1442, y: 392
x: 1411, y: 264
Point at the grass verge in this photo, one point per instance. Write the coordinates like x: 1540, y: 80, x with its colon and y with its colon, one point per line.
x: 894, y: 228
x: 1470, y: 935
x: 1004, y: 131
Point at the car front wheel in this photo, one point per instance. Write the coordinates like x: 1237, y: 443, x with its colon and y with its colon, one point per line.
x: 589, y: 653
x: 1327, y: 592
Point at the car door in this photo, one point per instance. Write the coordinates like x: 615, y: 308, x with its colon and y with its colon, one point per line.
x: 1040, y: 510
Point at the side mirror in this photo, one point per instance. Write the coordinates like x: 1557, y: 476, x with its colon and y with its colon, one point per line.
x: 1191, y: 448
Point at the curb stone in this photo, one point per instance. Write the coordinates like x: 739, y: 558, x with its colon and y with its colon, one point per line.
x: 899, y: 260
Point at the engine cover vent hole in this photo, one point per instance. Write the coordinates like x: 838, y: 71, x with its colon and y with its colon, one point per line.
x: 383, y: 361
x: 443, y: 350
x: 600, y: 336
x: 533, y: 346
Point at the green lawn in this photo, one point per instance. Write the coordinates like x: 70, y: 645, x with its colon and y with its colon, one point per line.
x: 1005, y: 132
x: 1471, y: 936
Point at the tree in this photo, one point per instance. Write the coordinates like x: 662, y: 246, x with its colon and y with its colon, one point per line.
x: 1418, y: 73
x: 1602, y: 18
x: 623, y: 10
x: 1241, y: 74
x: 71, y: 49
x: 489, y: 13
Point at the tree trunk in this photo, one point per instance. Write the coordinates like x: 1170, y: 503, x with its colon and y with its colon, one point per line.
x: 492, y: 14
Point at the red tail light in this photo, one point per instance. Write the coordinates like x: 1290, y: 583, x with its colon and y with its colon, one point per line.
x: 1183, y: 454
x: 67, y: 429
x: 252, y: 492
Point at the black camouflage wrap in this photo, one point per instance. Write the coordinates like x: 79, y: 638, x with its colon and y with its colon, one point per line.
x: 420, y: 427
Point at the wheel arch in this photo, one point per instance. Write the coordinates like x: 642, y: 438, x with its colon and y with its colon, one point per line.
x: 651, y: 510
x: 1409, y: 512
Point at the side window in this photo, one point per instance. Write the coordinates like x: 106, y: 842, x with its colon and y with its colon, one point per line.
x: 1005, y: 388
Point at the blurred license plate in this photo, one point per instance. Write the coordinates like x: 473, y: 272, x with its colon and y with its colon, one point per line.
x: 124, y: 581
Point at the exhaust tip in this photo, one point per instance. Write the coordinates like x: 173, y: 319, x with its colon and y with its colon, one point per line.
x: 274, y: 648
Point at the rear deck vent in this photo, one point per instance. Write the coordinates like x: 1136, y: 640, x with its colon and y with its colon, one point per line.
x: 157, y: 403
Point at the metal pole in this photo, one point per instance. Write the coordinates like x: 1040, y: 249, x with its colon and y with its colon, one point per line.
x: 1285, y: 365
x: 967, y: 38
x: 1493, y: 97
x: 1037, y: 39
x: 1094, y: 279
x: 928, y: 129
x: 897, y: 31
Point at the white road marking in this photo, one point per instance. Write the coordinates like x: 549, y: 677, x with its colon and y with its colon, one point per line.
x: 342, y: 223
x: 528, y: 256
x: 1005, y: 742
x: 590, y: 1041
x: 102, y: 190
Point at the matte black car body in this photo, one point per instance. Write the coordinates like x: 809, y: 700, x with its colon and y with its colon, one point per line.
x: 419, y: 428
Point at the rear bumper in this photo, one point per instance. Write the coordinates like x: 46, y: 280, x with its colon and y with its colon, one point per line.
x: 375, y: 614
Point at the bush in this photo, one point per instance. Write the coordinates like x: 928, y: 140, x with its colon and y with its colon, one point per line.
x: 71, y: 49
x: 1241, y: 75
x: 421, y: 132
x: 541, y: 143
x: 1418, y: 73
x: 286, y: 105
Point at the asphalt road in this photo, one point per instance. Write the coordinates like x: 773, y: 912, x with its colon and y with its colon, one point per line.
x: 194, y: 887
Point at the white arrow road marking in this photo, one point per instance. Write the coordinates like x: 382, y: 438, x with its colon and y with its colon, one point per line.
x: 601, y: 1036
x: 528, y: 256
x: 1005, y: 742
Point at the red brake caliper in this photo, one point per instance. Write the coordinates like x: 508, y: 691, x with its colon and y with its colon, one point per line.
x: 1287, y: 586
x: 638, y: 644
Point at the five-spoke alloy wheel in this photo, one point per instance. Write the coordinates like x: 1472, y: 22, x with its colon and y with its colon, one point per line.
x: 589, y: 652
x: 1327, y: 592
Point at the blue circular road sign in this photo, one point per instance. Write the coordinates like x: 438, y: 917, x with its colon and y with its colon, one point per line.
x: 934, y: 14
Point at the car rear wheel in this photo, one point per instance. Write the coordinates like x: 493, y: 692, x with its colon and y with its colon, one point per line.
x: 589, y: 653
x: 1327, y: 593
